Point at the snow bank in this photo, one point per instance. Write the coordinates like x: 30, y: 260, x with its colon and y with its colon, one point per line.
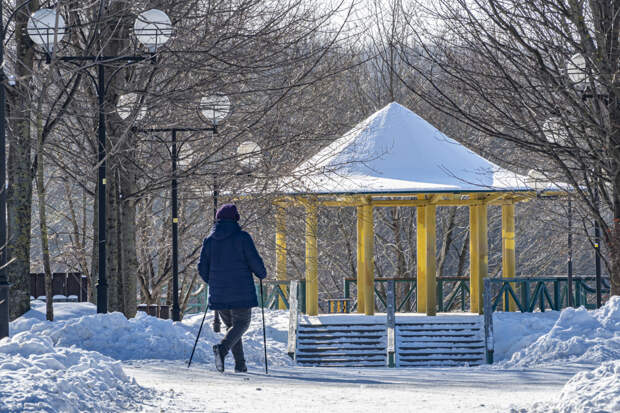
x: 515, y: 331
x: 145, y: 337
x: 35, y: 376
x: 596, y: 391
x: 592, y: 391
x: 578, y: 336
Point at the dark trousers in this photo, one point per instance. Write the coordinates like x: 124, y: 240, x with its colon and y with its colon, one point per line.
x: 237, y: 322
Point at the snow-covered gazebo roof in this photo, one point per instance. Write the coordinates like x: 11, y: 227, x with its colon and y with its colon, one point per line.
x: 396, y: 151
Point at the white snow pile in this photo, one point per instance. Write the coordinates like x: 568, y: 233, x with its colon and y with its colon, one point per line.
x: 145, y: 337
x: 35, y: 376
x: 70, y: 364
x: 514, y: 331
x: 596, y: 391
x: 578, y: 336
x: 592, y: 391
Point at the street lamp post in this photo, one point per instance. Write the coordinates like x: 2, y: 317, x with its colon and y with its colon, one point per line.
x: 153, y: 28
x: 571, y: 297
x: 597, y: 251
x: 215, y: 109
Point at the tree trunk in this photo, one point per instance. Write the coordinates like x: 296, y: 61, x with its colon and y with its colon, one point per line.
x: 19, y: 174
x: 79, y: 242
x: 446, y: 241
x: 614, y: 249
x: 40, y: 180
x: 112, y: 247
x: 128, y: 243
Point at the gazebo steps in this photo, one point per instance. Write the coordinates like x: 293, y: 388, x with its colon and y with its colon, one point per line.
x: 420, y: 341
x: 342, y: 345
x: 437, y: 343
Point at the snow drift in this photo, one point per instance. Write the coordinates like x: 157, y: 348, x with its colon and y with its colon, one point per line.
x: 70, y: 365
x: 35, y: 376
x: 514, y: 331
x: 596, y: 391
x: 592, y: 391
x: 578, y: 336
x: 145, y: 337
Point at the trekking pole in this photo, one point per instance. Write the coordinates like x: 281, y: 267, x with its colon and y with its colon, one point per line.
x: 197, y: 337
x: 262, y: 309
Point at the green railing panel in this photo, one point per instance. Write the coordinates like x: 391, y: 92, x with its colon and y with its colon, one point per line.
x: 541, y: 293
x: 279, y: 290
x: 407, y: 297
x: 406, y: 302
x: 461, y: 288
x: 529, y: 294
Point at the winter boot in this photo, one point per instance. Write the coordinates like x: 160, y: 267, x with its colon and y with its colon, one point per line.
x: 240, y: 367
x: 219, y: 357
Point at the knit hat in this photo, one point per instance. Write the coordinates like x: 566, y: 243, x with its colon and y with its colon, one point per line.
x: 227, y: 211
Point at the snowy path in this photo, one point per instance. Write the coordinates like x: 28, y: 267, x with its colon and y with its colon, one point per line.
x: 296, y: 389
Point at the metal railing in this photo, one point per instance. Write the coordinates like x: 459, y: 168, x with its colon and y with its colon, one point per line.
x: 452, y: 293
x: 278, y: 291
x: 527, y: 293
x: 197, y: 303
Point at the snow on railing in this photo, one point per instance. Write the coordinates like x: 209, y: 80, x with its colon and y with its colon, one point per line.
x: 291, y: 347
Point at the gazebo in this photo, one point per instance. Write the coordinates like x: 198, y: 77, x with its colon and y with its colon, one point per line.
x: 396, y: 158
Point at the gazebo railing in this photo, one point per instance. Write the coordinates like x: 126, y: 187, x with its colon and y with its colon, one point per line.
x: 541, y: 293
x: 528, y: 293
x: 276, y: 291
x: 406, y: 301
x: 273, y: 292
x: 197, y: 303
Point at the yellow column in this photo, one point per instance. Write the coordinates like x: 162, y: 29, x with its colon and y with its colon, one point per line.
x: 361, y: 279
x: 508, y: 248
x: 479, y: 251
x: 427, y: 272
x: 368, y: 258
x: 421, y: 258
x: 281, y: 249
x: 312, y: 274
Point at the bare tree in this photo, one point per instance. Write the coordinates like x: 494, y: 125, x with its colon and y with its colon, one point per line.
x: 538, y: 77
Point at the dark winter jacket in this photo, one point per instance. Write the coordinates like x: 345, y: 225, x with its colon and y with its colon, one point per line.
x: 227, y: 261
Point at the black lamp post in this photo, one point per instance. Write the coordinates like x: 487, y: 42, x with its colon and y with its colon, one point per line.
x: 214, y: 108
x: 571, y: 297
x: 597, y: 251
x: 152, y: 28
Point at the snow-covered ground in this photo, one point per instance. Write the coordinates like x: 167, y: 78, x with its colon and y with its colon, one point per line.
x: 552, y: 361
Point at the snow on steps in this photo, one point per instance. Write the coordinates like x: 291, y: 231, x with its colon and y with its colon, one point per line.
x: 350, y: 345
x: 420, y: 341
x: 443, y: 342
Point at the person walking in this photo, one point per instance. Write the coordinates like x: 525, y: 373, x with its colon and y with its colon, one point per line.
x: 227, y: 261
